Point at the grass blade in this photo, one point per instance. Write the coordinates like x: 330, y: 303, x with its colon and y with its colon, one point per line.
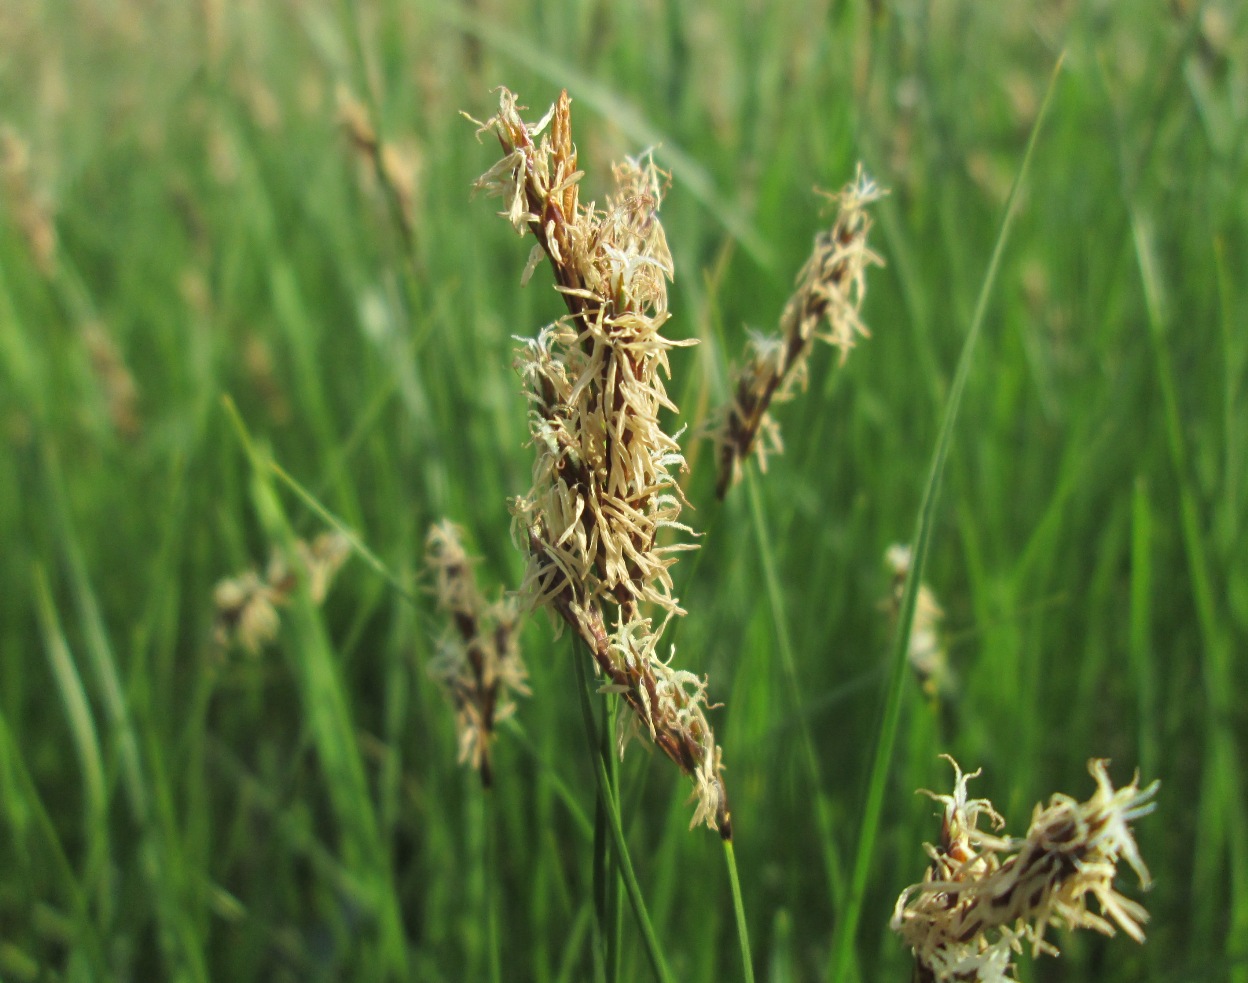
x: 833, y: 867
x: 166, y: 875
x: 78, y: 711
x: 1222, y: 813
x: 326, y: 706
x: 21, y: 794
x: 847, y: 925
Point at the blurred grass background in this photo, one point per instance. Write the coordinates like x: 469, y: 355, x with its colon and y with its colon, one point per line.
x: 185, y: 216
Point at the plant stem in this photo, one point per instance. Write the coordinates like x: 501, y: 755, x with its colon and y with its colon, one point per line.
x: 843, y: 940
x: 743, y: 932
x: 491, y: 884
x: 614, y: 885
x: 611, y: 808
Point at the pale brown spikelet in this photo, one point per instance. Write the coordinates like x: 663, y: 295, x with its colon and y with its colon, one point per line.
x: 604, y: 476
x: 393, y: 165
x: 263, y: 378
x: 824, y: 307
x: 353, y: 117
x: 27, y: 203
x: 247, y: 604
x: 246, y: 612
x: 478, y: 662
x: 985, y: 895
x: 113, y: 375
x: 926, y: 652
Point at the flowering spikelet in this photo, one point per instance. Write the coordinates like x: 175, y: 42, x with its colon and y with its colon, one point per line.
x: 984, y: 895
x: 604, y: 478
x: 29, y: 207
x: 478, y: 659
x: 396, y: 167
x: 247, y: 603
x: 824, y: 307
x: 926, y: 652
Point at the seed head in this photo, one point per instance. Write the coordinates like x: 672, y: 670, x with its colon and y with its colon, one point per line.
x: 247, y: 604
x: 824, y: 307
x: 985, y: 895
x: 926, y: 653
x: 605, y: 496
x: 478, y: 661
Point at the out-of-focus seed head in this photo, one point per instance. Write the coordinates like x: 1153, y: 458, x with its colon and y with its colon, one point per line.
x: 478, y: 662
x: 247, y: 604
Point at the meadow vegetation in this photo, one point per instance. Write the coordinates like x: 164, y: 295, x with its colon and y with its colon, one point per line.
x: 258, y: 338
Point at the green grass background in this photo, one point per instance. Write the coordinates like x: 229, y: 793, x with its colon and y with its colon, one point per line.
x: 170, y: 814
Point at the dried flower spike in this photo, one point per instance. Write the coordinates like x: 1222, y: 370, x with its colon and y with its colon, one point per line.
x: 478, y: 660
x: 604, y: 478
x: 30, y: 207
x: 247, y: 603
x: 926, y: 652
x: 984, y: 895
x: 830, y: 290
x: 396, y: 167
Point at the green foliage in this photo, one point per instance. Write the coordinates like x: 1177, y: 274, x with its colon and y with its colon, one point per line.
x: 184, y: 217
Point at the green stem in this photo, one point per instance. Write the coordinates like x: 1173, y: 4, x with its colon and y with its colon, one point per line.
x: 614, y: 885
x: 25, y: 798
x: 1222, y: 791
x: 491, y: 885
x: 611, y: 808
x: 600, y: 868
x: 833, y: 867
x: 847, y: 929
x: 743, y: 932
